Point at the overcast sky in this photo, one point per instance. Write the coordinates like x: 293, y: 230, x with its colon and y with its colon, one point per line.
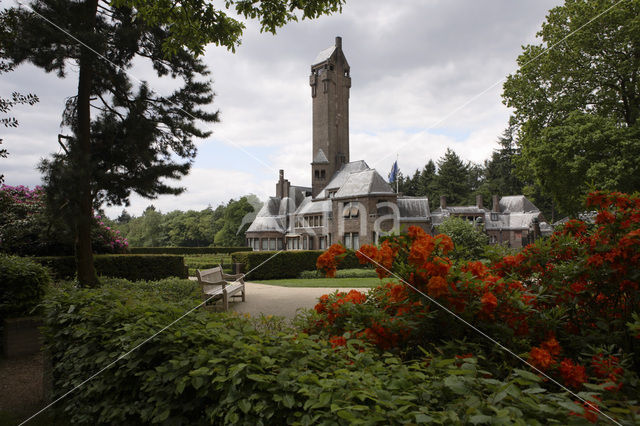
x: 426, y: 75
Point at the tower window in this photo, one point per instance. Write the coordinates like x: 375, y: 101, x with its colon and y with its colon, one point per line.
x: 317, y: 174
x: 322, y: 174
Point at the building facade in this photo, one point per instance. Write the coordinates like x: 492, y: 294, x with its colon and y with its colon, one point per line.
x: 348, y: 201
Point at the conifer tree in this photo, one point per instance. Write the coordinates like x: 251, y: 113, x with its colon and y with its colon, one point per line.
x: 136, y: 135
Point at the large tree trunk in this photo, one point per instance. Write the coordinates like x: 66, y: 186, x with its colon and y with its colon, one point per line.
x: 84, y: 254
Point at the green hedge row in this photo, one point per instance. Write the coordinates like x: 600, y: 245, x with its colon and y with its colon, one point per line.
x: 341, y: 273
x: 128, y: 266
x: 286, y: 264
x: 22, y: 285
x: 186, y: 250
x: 220, y: 369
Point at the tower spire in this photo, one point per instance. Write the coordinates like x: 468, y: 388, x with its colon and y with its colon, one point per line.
x: 330, y: 82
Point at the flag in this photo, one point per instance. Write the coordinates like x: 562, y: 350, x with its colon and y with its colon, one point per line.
x: 393, y: 175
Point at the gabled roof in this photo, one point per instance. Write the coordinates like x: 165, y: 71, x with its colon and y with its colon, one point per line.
x: 366, y: 182
x: 324, y: 55
x: 511, y: 221
x: 516, y: 203
x: 414, y: 208
x: 271, y: 217
x: 341, y: 176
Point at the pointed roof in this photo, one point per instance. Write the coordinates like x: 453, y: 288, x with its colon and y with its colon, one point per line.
x: 320, y: 157
x: 366, y: 182
x: 271, y: 217
x: 324, y: 55
x: 341, y: 176
x: 516, y: 203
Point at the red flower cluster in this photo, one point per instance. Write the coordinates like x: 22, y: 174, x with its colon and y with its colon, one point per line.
x: 574, y: 375
x: 327, y: 261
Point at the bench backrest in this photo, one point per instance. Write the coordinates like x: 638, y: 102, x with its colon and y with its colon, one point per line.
x: 210, y: 276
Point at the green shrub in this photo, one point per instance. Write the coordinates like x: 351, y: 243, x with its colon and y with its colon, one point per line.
x: 219, y: 369
x: 286, y: 264
x: 22, y: 285
x: 132, y: 267
x: 469, y: 241
x: 186, y: 250
x: 341, y: 273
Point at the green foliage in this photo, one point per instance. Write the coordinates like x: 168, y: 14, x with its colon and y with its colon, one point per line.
x: 22, y: 285
x: 342, y: 273
x: 286, y: 264
x: 128, y: 266
x: 233, y: 227
x: 577, y: 104
x: 453, y: 178
x: 186, y: 250
x: 223, y: 226
x: 469, y: 240
x: 219, y: 369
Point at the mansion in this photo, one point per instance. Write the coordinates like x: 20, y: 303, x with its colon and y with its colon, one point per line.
x: 351, y: 203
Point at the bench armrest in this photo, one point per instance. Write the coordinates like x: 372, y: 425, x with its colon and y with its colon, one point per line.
x: 234, y: 277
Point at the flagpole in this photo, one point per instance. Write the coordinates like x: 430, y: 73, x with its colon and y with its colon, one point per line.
x: 398, y: 168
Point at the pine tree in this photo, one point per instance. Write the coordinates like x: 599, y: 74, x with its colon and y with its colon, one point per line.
x: 132, y: 142
x: 453, y: 178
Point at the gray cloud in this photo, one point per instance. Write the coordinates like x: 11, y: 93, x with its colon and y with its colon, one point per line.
x: 412, y: 63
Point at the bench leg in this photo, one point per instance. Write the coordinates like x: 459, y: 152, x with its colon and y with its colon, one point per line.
x: 225, y: 300
x: 243, y: 297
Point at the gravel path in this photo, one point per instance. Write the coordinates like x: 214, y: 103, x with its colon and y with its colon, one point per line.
x: 281, y: 301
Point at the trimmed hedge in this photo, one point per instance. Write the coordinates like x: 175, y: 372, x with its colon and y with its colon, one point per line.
x: 219, y: 369
x: 22, y: 285
x: 287, y: 264
x: 128, y: 266
x: 186, y: 250
x: 341, y: 273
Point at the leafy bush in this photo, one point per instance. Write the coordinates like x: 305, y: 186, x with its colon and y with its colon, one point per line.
x: 22, y: 285
x: 286, y: 264
x: 343, y: 273
x: 27, y: 229
x: 219, y: 369
x: 570, y: 302
x: 469, y: 241
x: 132, y: 267
x: 186, y: 250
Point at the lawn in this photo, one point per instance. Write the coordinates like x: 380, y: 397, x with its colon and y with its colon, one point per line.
x: 325, y: 282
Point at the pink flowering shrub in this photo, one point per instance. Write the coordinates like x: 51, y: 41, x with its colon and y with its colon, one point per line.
x: 27, y: 229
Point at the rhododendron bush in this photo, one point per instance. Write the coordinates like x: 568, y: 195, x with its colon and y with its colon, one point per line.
x: 568, y: 304
x: 27, y: 229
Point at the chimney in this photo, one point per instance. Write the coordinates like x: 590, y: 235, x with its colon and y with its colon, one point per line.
x: 339, y: 42
x: 443, y: 202
x: 281, y: 190
x: 496, y: 204
x: 479, y: 201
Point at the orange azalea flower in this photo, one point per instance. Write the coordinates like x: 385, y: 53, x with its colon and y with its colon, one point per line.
x: 367, y: 253
x: 338, y: 341
x: 397, y: 293
x: 445, y: 243
x: 489, y: 303
x: 416, y: 232
x: 437, y: 287
x: 540, y: 358
x: 356, y: 297
x: 552, y: 346
x: 573, y: 374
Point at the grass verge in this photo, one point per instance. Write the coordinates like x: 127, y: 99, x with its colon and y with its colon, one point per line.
x: 325, y: 282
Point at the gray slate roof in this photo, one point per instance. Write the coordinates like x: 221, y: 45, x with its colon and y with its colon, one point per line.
x: 510, y: 221
x: 414, y: 208
x: 341, y: 176
x: 324, y: 55
x: 320, y: 157
x: 516, y: 203
x: 271, y: 217
x: 366, y: 182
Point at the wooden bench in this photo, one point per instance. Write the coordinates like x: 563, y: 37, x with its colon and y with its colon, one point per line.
x: 216, y: 284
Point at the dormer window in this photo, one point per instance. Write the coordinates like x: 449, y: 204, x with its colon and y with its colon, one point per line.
x: 350, y: 211
x: 494, y: 217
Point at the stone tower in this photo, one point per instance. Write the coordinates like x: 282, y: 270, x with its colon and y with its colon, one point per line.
x: 330, y: 83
